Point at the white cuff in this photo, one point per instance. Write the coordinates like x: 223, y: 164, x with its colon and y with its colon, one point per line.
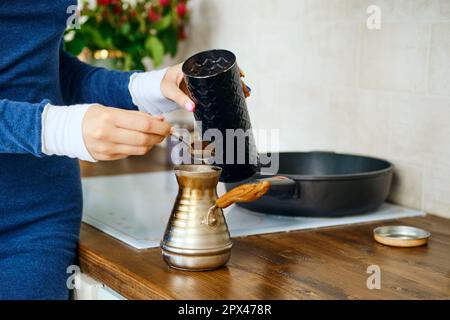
x: 145, y: 90
x: 62, y: 131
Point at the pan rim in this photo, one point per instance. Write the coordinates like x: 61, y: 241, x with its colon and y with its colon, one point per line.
x: 333, y: 177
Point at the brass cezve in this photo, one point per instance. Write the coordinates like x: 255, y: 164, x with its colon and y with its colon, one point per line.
x: 197, y: 236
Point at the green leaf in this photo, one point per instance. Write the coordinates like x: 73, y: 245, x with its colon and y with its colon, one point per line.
x: 95, y: 38
x: 106, y: 33
x: 170, y: 40
x: 75, y: 46
x: 156, y: 49
x: 163, y: 23
x: 125, y: 29
x: 128, y: 63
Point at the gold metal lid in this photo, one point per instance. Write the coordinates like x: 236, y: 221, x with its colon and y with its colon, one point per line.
x: 401, y: 236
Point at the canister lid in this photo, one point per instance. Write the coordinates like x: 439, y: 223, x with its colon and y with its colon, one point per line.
x: 401, y: 236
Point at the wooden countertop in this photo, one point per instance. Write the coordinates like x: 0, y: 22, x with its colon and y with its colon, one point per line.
x: 327, y: 263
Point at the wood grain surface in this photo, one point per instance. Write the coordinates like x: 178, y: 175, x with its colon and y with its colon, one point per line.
x: 328, y: 263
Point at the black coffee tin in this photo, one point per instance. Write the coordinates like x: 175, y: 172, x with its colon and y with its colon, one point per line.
x: 213, y: 80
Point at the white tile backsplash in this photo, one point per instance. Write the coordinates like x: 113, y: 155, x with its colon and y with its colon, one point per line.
x: 444, y: 6
x: 420, y: 131
x: 327, y: 44
x: 308, y: 111
x: 407, y: 185
x: 395, y: 57
x: 439, y: 65
x: 360, y: 121
x: 436, y: 186
x: 427, y: 10
x: 328, y: 83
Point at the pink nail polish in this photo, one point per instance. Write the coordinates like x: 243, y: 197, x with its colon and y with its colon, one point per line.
x: 190, y: 106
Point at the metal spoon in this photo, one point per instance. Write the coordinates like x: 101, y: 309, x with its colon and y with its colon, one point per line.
x: 195, y: 153
x: 181, y: 139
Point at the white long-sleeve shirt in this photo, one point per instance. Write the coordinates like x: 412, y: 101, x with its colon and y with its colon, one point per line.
x: 62, y: 126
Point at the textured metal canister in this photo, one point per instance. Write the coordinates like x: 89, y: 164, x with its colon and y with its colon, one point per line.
x: 213, y: 80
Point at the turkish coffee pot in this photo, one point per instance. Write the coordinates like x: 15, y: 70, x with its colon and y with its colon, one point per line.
x: 197, y: 236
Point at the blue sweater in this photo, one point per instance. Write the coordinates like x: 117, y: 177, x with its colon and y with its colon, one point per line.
x: 38, y: 193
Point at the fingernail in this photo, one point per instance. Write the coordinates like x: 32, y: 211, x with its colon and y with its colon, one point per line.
x: 248, y: 88
x: 189, y: 106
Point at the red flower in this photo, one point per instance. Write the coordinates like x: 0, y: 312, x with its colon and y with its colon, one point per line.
x: 153, y: 16
x: 164, y: 3
x: 104, y: 2
x: 117, y: 9
x: 181, y: 33
x: 181, y: 9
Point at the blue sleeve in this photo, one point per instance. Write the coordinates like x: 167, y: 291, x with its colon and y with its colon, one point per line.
x: 83, y: 83
x: 20, y: 127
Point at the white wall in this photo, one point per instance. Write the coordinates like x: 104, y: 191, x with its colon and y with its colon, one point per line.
x: 329, y: 83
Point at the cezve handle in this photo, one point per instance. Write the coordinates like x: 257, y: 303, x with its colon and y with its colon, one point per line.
x: 243, y: 193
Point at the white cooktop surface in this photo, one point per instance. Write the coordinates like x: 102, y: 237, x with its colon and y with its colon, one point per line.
x: 135, y: 209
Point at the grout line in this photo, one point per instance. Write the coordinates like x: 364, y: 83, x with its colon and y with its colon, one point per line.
x: 364, y: 16
x: 427, y: 62
x: 384, y: 91
x: 398, y: 93
x: 390, y: 126
x: 422, y: 189
x: 359, y: 54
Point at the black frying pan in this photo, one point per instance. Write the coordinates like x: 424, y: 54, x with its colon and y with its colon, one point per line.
x: 323, y: 184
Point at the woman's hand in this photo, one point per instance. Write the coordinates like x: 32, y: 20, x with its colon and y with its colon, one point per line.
x: 174, y: 87
x: 111, y: 133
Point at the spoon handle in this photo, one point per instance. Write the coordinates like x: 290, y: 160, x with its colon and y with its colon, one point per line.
x: 181, y: 139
